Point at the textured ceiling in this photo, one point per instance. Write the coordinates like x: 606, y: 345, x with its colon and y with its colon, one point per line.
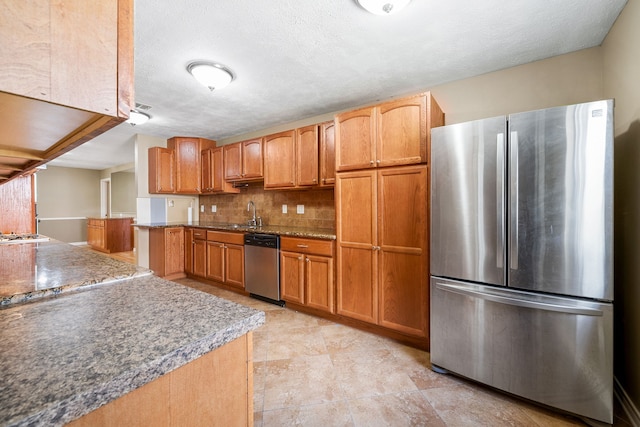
x: 301, y: 58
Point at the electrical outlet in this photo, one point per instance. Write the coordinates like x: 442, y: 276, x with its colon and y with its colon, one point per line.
x: 171, y: 203
x: 214, y: 208
x: 284, y: 209
x: 300, y: 209
x: 201, y: 208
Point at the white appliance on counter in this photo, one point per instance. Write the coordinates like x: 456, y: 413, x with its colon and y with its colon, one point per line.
x: 522, y: 255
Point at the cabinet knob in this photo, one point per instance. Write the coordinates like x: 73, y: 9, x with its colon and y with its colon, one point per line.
x: 308, y: 260
x: 314, y: 180
x: 371, y: 162
x: 378, y: 161
x: 300, y: 257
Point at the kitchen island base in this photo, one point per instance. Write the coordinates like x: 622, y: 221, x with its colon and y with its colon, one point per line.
x: 215, y: 389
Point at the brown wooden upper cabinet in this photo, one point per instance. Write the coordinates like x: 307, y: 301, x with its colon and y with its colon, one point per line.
x: 327, y: 154
x: 162, y: 171
x: 390, y: 134
x: 212, y: 163
x: 300, y: 158
x: 243, y: 161
x: 187, y: 158
x: 280, y: 160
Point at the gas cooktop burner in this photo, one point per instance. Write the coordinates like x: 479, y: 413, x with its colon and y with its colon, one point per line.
x: 22, y: 238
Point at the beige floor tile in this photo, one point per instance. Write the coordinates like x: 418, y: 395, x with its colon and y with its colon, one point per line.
x: 546, y: 418
x: 468, y: 406
x: 260, y: 345
x: 344, y: 339
x: 257, y: 419
x: 288, y: 319
x: 259, y: 379
x: 295, y: 342
x: 398, y: 409
x: 300, y: 381
x: 369, y: 374
x: 335, y: 414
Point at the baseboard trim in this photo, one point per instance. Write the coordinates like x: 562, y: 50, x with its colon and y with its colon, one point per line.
x: 627, y: 405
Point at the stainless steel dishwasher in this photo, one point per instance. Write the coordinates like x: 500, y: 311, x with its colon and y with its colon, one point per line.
x: 262, y: 267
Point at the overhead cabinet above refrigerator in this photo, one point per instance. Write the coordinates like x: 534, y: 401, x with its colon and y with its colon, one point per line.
x: 522, y: 254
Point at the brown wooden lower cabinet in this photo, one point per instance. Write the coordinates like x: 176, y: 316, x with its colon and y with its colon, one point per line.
x: 306, y: 272
x: 215, y: 255
x: 215, y: 389
x: 166, y: 252
x: 110, y: 234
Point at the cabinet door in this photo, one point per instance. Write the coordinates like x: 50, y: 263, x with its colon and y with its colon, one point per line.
x: 319, y: 282
x: 252, y: 159
x: 200, y: 258
x: 279, y: 160
x: 403, y: 241
x: 401, y: 136
x: 307, y: 156
x: 234, y: 265
x: 217, y: 169
x: 355, y: 144
x: 232, y: 161
x: 357, y: 253
x: 187, y: 164
x: 327, y: 154
x: 161, y: 170
x: 174, y: 251
x: 215, y: 261
x: 292, y: 276
x: 206, y: 168
x: 188, y: 250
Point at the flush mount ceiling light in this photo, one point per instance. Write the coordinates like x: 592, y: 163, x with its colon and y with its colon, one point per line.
x: 383, y: 7
x: 137, y: 118
x: 211, y: 74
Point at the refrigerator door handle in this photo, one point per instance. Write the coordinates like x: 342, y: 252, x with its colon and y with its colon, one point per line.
x: 500, y: 199
x: 501, y: 299
x: 513, y: 202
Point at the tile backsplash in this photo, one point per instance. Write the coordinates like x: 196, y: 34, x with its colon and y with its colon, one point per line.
x: 319, y: 207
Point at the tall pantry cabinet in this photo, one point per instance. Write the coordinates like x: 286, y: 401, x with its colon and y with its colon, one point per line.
x: 382, y: 214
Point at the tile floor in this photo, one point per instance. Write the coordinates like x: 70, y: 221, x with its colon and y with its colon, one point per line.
x: 313, y: 372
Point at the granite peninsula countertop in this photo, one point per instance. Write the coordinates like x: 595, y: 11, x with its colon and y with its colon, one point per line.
x: 281, y: 230
x: 64, y: 356
x: 35, y: 270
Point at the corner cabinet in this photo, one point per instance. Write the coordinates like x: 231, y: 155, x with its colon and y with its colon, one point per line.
x: 166, y: 252
x: 187, y: 160
x: 306, y: 272
x: 382, y: 252
x: 390, y: 134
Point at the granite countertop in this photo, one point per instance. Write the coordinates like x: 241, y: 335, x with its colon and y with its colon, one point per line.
x: 34, y: 270
x: 64, y: 356
x: 281, y: 230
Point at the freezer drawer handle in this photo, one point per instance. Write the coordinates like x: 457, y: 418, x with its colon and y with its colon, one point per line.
x: 519, y: 302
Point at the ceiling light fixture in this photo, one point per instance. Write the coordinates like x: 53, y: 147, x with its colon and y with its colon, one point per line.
x: 137, y: 118
x: 211, y: 74
x: 383, y: 7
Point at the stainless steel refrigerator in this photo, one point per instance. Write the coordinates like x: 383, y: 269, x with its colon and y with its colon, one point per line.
x: 522, y: 255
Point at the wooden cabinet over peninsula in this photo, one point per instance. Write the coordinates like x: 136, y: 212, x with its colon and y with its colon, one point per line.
x: 66, y: 76
x: 110, y: 234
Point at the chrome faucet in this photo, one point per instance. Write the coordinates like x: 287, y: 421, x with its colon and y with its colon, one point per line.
x: 252, y: 222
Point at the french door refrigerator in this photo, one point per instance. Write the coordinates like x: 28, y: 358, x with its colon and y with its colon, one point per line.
x: 522, y: 255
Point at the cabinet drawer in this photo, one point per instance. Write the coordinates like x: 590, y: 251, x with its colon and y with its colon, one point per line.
x: 307, y: 246
x: 224, y: 237
x: 199, y: 234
